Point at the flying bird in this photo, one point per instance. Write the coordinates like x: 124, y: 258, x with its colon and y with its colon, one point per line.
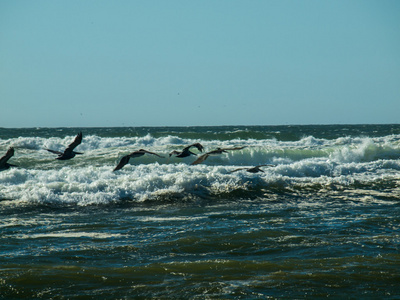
x: 4, y: 165
x: 186, y: 151
x: 124, y: 160
x: 255, y: 169
x: 214, y: 152
x: 69, y: 151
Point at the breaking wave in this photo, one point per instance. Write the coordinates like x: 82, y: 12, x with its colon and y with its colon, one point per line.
x: 306, y: 164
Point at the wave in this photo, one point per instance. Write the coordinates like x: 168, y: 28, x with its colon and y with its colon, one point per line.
x: 109, y: 149
x: 307, y: 164
x: 89, y: 185
x: 366, y: 150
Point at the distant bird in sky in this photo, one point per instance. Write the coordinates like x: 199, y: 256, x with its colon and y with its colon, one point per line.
x: 214, y: 152
x: 4, y: 165
x: 124, y: 160
x: 255, y: 169
x: 68, y: 152
x: 186, y: 151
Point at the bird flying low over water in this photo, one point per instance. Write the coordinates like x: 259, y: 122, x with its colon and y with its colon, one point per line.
x: 186, y: 151
x: 69, y: 151
x: 124, y: 160
x: 214, y: 152
x: 255, y: 169
x: 4, y: 165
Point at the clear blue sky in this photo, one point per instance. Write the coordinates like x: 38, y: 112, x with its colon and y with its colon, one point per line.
x: 172, y: 63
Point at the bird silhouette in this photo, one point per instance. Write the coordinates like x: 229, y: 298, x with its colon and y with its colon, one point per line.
x: 69, y: 151
x: 125, y: 159
x: 186, y: 151
x: 4, y: 165
x: 214, y: 152
x: 255, y: 169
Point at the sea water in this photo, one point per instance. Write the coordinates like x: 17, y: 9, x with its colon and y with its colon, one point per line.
x: 321, y: 221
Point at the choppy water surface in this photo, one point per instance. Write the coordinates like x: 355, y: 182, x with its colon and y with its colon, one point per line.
x: 322, y: 222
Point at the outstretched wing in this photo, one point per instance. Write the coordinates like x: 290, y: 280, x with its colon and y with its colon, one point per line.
x: 54, y: 151
x: 148, y: 152
x: 255, y: 169
x: 197, y: 145
x: 235, y: 148
x: 7, y: 156
x: 269, y: 165
x: 216, y: 151
x: 76, y: 142
x: 174, y: 153
x: 124, y: 160
x: 238, y: 170
x: 200, y: 159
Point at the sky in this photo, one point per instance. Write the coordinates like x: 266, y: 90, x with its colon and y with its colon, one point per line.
x: 98, y: 63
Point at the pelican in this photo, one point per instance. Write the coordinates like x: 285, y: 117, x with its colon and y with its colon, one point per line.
x: 186, y: 151
x: 124, y: 160
x: 255, y: 169
x: 68, y: 152
x: 4, y: 165
x: 214, y: 152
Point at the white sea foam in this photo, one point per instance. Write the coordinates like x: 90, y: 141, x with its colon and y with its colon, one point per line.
x: 88, y: 179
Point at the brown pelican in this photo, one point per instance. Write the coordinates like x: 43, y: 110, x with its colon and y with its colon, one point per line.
x: 186, y: 151
x: 124, y: 160
x: 214, y: 152
x: 4, y: 165
x: 255, y: 169
x: 68, y: 152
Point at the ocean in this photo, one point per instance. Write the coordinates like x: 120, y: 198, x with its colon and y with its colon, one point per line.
x: 321, y: 220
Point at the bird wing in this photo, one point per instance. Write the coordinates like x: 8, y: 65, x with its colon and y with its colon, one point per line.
x: 54, y: 151
x: 258, y: 168
x: 174, y: 153
x: 186, y: 148
x: 234, y: 148
x: 76, y: 142
x: 200, y: 159
x: 148, y: 152
x: 124, y: 160
x: 255, y: 169
x: 197, y: 145
x: 7, y: 156
x: 237, y: 170
x: 216, y: 151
